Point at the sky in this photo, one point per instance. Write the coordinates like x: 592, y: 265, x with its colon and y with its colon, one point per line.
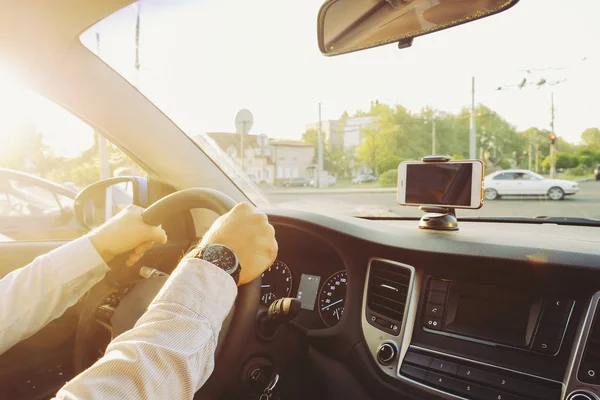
x: 203, y: 60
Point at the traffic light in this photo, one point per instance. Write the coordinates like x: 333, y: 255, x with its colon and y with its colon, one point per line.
x: 552, y: 138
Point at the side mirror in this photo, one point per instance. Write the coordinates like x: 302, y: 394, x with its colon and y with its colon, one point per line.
x: 344, y: 26
x: 99, y: 201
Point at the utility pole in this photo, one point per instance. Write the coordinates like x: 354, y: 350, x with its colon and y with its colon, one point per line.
x: 103, y: 150
x: 537, y: 152
x: 320, y: 151
x: 433, y: 151
x: 552, y: 149
x: 530, y: 151
x: 472, y: 134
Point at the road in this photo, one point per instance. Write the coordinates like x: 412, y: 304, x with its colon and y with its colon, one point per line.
x: 382, y: 202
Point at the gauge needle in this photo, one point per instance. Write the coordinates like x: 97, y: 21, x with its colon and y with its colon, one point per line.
x: 265, y: 286
x: 332, y: 304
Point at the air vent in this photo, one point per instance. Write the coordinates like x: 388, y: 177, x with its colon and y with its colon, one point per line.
x: 589, y: 369
x: 387, y: 295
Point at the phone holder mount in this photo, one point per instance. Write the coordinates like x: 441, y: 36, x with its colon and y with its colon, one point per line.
x: 438, y: 218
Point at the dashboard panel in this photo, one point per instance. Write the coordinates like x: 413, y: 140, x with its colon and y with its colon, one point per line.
x: 311, y: 270
x: 493, y: 311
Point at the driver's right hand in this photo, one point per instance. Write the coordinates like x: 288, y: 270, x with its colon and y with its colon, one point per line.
x: 248, y: 233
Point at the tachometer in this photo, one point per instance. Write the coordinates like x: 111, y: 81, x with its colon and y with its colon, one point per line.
x: 332, y: 298
x: 276, y: 283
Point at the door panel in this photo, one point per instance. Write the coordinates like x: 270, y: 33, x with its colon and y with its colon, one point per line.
x: 36, y: 367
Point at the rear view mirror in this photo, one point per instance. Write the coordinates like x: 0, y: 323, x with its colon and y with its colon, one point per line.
x: 345, y: 26
x: 99, y: 201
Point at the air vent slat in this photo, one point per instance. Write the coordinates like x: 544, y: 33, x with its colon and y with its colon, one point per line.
x: 387, y: 290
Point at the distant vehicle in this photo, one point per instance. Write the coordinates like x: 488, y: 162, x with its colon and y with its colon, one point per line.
x: 520, y: 182
x: 32, y: 208
x: 331, y: 180
x: 597, y: 172
x: 364, y: 178
x: 297, y: 182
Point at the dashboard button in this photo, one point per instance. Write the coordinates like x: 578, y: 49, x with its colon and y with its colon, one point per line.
x: 550, y: 331
x: 438, y: 286
x: 588, y: 373
x: 446, y: 367
x: 545, y: 346
x: 555, y: 317
x: 559, y: 305
x: 433, y: 323
x: 443, y: 382
x: 472, y: 374
x: 434, y: 310
x: 413, y: 372
x: 417, y: 359
x: 503, y: 382
x: 435, y: 297
x: 471, y: 390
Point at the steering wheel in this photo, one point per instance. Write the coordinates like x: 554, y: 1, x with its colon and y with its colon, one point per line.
x: 237, y: 327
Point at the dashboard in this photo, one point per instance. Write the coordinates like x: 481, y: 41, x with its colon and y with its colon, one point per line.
x: 491, y: 312
x: 310, y: 270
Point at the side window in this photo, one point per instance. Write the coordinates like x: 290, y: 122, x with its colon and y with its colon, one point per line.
x: 505, y: 176
x: 47, y: 155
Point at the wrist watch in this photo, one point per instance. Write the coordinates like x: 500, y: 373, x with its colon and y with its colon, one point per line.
x: 223, y: 257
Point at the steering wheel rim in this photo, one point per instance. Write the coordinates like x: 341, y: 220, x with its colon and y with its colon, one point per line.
x: 243, y: 315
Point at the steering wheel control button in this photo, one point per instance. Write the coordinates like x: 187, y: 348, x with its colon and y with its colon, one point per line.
x: 434, y: 310
x: 446, y: 367
x: 417, y: 359
x: 433, y: 323
x: 472, y: 374
x: 386, y: 354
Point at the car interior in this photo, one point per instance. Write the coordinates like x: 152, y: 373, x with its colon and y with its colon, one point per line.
x: 496, y: 310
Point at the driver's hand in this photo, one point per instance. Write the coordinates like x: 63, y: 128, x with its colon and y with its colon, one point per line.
x: 248, y: 233
x: 126, y: 231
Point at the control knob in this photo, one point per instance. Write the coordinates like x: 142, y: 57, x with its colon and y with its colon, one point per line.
x: 583, y: 395
x: 386, y: 353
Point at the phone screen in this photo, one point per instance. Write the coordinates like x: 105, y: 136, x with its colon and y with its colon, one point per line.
x: 439, y: 184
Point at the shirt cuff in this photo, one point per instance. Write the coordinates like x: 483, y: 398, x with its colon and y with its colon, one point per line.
x: 74, y: 259
x: 202, y: 287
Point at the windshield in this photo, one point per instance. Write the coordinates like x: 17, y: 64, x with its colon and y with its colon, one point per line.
x: 527, y: 72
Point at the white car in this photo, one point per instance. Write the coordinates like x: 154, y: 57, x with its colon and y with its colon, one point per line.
x: 521, y: 182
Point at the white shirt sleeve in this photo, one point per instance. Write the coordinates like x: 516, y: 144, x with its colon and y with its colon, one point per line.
x: 169, y: 353
x: 38, y: 293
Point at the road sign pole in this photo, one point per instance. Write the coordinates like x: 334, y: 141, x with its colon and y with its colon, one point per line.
x: 243, y: 124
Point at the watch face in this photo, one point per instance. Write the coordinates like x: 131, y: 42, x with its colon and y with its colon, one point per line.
x: 221, y: 256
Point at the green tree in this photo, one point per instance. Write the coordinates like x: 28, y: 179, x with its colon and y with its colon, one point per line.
x: 591, y: 137
x: 388, y: 164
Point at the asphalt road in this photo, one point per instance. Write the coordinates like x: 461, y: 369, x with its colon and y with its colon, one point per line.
x: 382, y: 202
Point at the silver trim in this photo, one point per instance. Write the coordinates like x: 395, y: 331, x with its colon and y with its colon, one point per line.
x: 375, y: 337
x: 583, y: 333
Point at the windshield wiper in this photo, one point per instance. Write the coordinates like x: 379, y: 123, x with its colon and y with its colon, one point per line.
x: 537, y: 220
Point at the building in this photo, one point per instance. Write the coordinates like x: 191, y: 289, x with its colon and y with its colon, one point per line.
x: 333, y: 136
x: 293, y: 159
x: 267, y: 161
x: 258, y: 154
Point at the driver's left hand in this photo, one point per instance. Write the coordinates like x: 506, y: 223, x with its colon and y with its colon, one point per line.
x: 124, y: 232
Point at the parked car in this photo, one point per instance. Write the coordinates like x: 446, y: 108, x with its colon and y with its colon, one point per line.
x: 597, y: 172
x: 364, y: 178
x: 331, y: 180
x: 33, y: 208
x: 519, y: 182
x: 297, y: 182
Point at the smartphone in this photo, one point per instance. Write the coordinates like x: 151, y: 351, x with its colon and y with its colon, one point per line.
x: 457, y: 184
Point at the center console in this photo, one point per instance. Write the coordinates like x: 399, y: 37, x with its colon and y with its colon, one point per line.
x: 458, y: 339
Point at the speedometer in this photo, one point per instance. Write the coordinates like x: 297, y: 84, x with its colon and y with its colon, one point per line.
x: 332, y: 298
x: 276, y: 283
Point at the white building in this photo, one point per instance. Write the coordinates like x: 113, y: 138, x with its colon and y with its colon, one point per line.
x: 330, y: 129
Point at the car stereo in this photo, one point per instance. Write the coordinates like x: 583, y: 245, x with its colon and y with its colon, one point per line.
x: 496, y: 316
